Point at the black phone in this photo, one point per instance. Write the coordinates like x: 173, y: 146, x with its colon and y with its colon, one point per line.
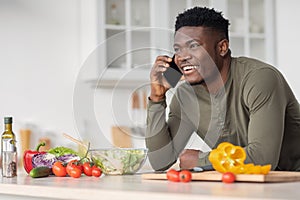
x: 173, y: 73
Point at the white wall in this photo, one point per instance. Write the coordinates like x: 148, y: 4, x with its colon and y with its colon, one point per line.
x: 44, y: 46
x: 288, y: 42
x: 39, y: 60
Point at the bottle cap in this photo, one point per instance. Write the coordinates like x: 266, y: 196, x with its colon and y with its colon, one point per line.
x: 8, y: 120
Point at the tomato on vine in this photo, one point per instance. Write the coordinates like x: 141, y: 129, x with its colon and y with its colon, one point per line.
x: 96, y: 171
x: 74, y: 169
x: 75, y: 172
x: 59, y: 169
x: 87, y: 168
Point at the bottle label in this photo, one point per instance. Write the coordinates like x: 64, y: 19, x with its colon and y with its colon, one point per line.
x: 8, y: 145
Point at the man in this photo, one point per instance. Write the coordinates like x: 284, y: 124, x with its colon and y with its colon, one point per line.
x: 240, y: 100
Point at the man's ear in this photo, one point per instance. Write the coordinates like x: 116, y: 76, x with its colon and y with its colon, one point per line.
x: 223, y: 47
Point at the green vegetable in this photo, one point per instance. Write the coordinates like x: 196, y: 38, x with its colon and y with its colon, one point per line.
x: 119, y: 162
x: 39, y: 172
x: 60, y: 151
x: 132, y: 161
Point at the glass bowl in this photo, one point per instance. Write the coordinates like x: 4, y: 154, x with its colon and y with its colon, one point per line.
x: 118, y: 161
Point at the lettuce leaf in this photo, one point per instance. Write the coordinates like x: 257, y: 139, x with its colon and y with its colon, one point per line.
x: 60, y: 151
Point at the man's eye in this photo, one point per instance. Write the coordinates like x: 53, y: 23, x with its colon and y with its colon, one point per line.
x: 176, y: 50
x: 194, y: 45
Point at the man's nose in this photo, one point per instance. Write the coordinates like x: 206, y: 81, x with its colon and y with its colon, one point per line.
x: 184, y: 57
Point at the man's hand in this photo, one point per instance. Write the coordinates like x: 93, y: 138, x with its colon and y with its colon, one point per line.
x: 189, y: 158
x: 159, y: 85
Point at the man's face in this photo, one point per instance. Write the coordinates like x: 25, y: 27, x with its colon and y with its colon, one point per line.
x: 196, y: 53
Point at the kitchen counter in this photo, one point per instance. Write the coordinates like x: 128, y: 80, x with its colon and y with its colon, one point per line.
x: 133, y: 187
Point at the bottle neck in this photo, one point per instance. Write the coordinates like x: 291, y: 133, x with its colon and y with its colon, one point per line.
x: 8, y: 127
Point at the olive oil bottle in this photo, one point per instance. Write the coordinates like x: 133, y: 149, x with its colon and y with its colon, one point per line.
x: 8, y: 150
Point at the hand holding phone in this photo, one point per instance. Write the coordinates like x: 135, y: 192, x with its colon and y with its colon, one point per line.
x: 173, y: 73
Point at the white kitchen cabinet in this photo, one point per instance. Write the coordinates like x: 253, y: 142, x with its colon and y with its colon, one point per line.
x: 134, y: 32
x: 252, y: 28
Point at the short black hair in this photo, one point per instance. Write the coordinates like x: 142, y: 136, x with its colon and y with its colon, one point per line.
x: 203, y: 16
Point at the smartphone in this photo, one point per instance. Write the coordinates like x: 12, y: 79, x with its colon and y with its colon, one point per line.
x: 173, y: 73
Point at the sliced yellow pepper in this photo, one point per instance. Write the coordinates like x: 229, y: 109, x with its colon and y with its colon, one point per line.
x: 253, y: 169
x: 230, y: 158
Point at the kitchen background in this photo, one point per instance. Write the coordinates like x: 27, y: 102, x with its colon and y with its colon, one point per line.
x: 52, y: 54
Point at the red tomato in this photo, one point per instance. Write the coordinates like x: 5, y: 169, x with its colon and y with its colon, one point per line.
x: 80, y: 166
x: 70, y: 165
x: 96, y: 171
x: 75, y: 172
x: 185, y: 176
x: 228, y: 177
x: 58, y: 169
x: 73, y: 164
x: 87, y: 169
x: 173, y: 175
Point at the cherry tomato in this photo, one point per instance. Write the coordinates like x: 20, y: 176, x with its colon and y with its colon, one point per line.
x: 87, y: 168
x: 80, y: 166
x: 58, y: 169
x: 228, y: 177
x: 173, y: 175
x: 73, y: 164
x: 70, y: 165
x: 96, y: 171
x: 75, y: 172
x: 185, y: 176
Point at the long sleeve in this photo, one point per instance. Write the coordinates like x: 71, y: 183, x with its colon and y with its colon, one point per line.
x: 166, y: 139
x: 265, y: 96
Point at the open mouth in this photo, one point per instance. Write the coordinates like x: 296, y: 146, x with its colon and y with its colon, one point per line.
x: 189, y: 68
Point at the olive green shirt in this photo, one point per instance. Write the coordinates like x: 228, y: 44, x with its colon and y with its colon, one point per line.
x: 255, y: 109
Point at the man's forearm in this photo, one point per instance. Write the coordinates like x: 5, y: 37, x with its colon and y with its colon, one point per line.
x: 158, y: 140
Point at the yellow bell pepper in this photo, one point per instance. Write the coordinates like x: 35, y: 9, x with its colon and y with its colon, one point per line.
x: 230, y: 158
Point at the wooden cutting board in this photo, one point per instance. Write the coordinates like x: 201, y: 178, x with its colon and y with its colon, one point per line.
x: 273, y: 176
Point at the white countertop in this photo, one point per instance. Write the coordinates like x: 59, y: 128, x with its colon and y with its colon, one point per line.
x: 133, y: 187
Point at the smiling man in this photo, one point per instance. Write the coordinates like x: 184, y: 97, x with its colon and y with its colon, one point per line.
x: 239, y: 100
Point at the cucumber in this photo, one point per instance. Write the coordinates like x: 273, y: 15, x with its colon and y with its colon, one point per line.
x: 39, y: 172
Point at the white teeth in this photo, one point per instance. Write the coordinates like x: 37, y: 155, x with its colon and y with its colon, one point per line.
x: 186, y: 68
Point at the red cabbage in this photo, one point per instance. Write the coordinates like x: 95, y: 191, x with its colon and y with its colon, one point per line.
x: 68, y: 157
x: 46, y: 160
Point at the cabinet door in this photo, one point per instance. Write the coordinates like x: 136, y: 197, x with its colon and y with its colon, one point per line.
x: 251, y: 29
x: 126, y: 35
